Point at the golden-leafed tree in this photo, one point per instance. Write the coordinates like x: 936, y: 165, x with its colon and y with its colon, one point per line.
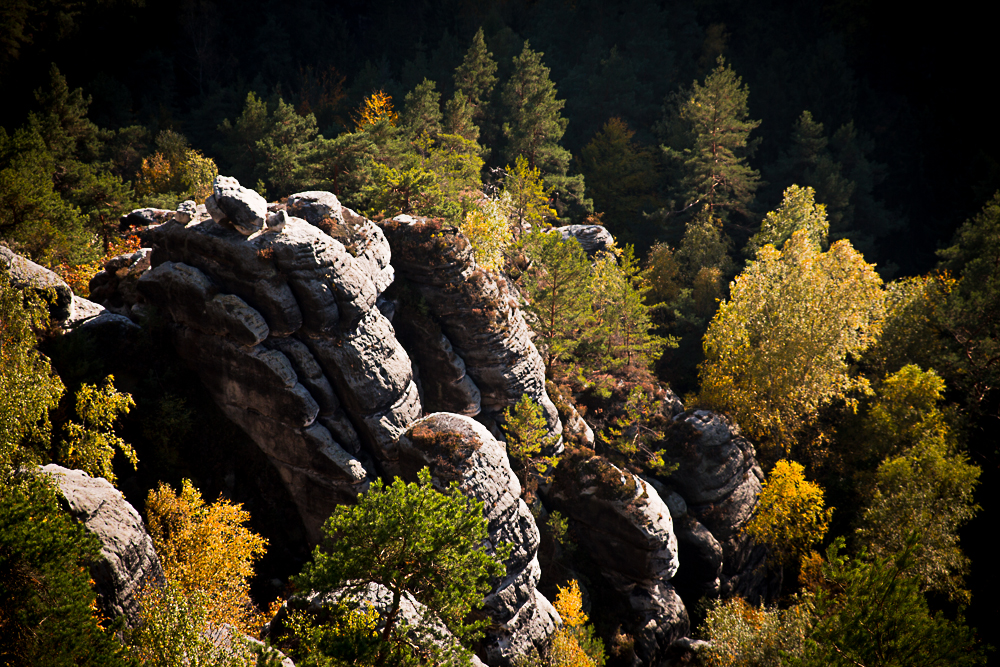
x: 780, y: 348
x: 207, y: 549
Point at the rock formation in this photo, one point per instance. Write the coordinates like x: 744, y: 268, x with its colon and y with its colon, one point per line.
x: 719, y: 479
x: 593, y: 238
x: 477, y: 314
x: 458, y: 448
x: 627, y: 530
x: 282, y: 327
x: 128, y: 560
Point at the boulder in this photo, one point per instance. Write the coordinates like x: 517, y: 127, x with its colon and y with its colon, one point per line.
x: 128, y: 561
x: 232, y: 204
x: 593, y: 238
x: 114, y: 287
x: 25, y: 274
x: 142, y: 218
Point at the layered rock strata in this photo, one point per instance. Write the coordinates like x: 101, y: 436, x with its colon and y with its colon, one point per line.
x: 282, y: 327
x: 477, y: 313
x: 719, y: 479
x: 128, y: 561
x: 458, y: 448
x: 628, y: 532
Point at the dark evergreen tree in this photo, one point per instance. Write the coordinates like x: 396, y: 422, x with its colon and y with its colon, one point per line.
x: 621, y: 177
x: 422, y: 111
x: 711, y: 128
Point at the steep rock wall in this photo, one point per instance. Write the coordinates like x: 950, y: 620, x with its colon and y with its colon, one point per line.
x: 477, y: 313
x: 282, y: 327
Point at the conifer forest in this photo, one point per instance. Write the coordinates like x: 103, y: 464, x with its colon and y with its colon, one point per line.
x: 509, y: 333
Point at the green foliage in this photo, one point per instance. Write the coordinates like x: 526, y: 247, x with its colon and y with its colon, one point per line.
x: 347, y: 636
x: 924, y: 485
x: 742, y: 636
x: 528, y: 196
x: 47, y: 607
x: 621, y: 175
x: 798, y: 212
x: 557, y: 288
x: 630, y: 435
x: 28, y: 386
x: 622, y: 328
x: 176, y: 170
x: 533, y: 122
x: 475, y: 78
x: 487, y: 226
x: 871, y: 612
x: 971, y: 316
x: 422, y: 111
x: 527, y: 435
x: 90, y: 445
x: 268, y: 141
x: 779, y: 348
x: 713, y: 122
x: 177, y: 630
x: 411, y: 539
x: 790, y: 514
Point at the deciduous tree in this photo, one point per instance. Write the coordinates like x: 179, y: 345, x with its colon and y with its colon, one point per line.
x: 206, y: 550
x: 779, y: 348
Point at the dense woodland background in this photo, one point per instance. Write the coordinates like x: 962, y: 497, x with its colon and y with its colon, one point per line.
x: 907, y: 150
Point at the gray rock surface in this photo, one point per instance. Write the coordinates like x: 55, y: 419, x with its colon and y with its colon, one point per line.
x: 719, y: 478
x: 25, y: 274
x: 232, y: 204
x: 284, y: 330
x: 476, y: 311
x: 114, y: 287
x: 458, y: 448
x: 128, y: 561
x: 141, y: 218
x: 593, y: 238
x: 627, y: 530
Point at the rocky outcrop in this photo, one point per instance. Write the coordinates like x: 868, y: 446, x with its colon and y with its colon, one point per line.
x: 115, y: 287
x: 477, y: 313
x: 719, y: 479
x: 593, y: 238
x: 128, y: 561
x: 458, y: 448
x: 283, y: 328
x: 25, y: 274
x: 628, y: 532
x: 233, y: 205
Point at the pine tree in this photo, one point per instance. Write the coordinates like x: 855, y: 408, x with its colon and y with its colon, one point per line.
x: 714, y: 170
x: 533, y: 122
x: 476, y: 77
x: 422, y: 110
x: 557, y: 285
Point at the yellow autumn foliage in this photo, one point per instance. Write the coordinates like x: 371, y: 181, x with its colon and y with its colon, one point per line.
x: 375, y: 107
x: 207, y: 548
x: 790, y: 513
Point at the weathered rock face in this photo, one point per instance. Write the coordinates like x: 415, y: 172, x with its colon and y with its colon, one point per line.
x: 458, y: 448
x: 627, y: 530
x: 476, y: 312
x: 233, y: 205
x: 115, y: 286
x: 25, y: 274
x: 719, y: 478
x: 282, y: 327
x: 593, y: 238
x: 128, y: 560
